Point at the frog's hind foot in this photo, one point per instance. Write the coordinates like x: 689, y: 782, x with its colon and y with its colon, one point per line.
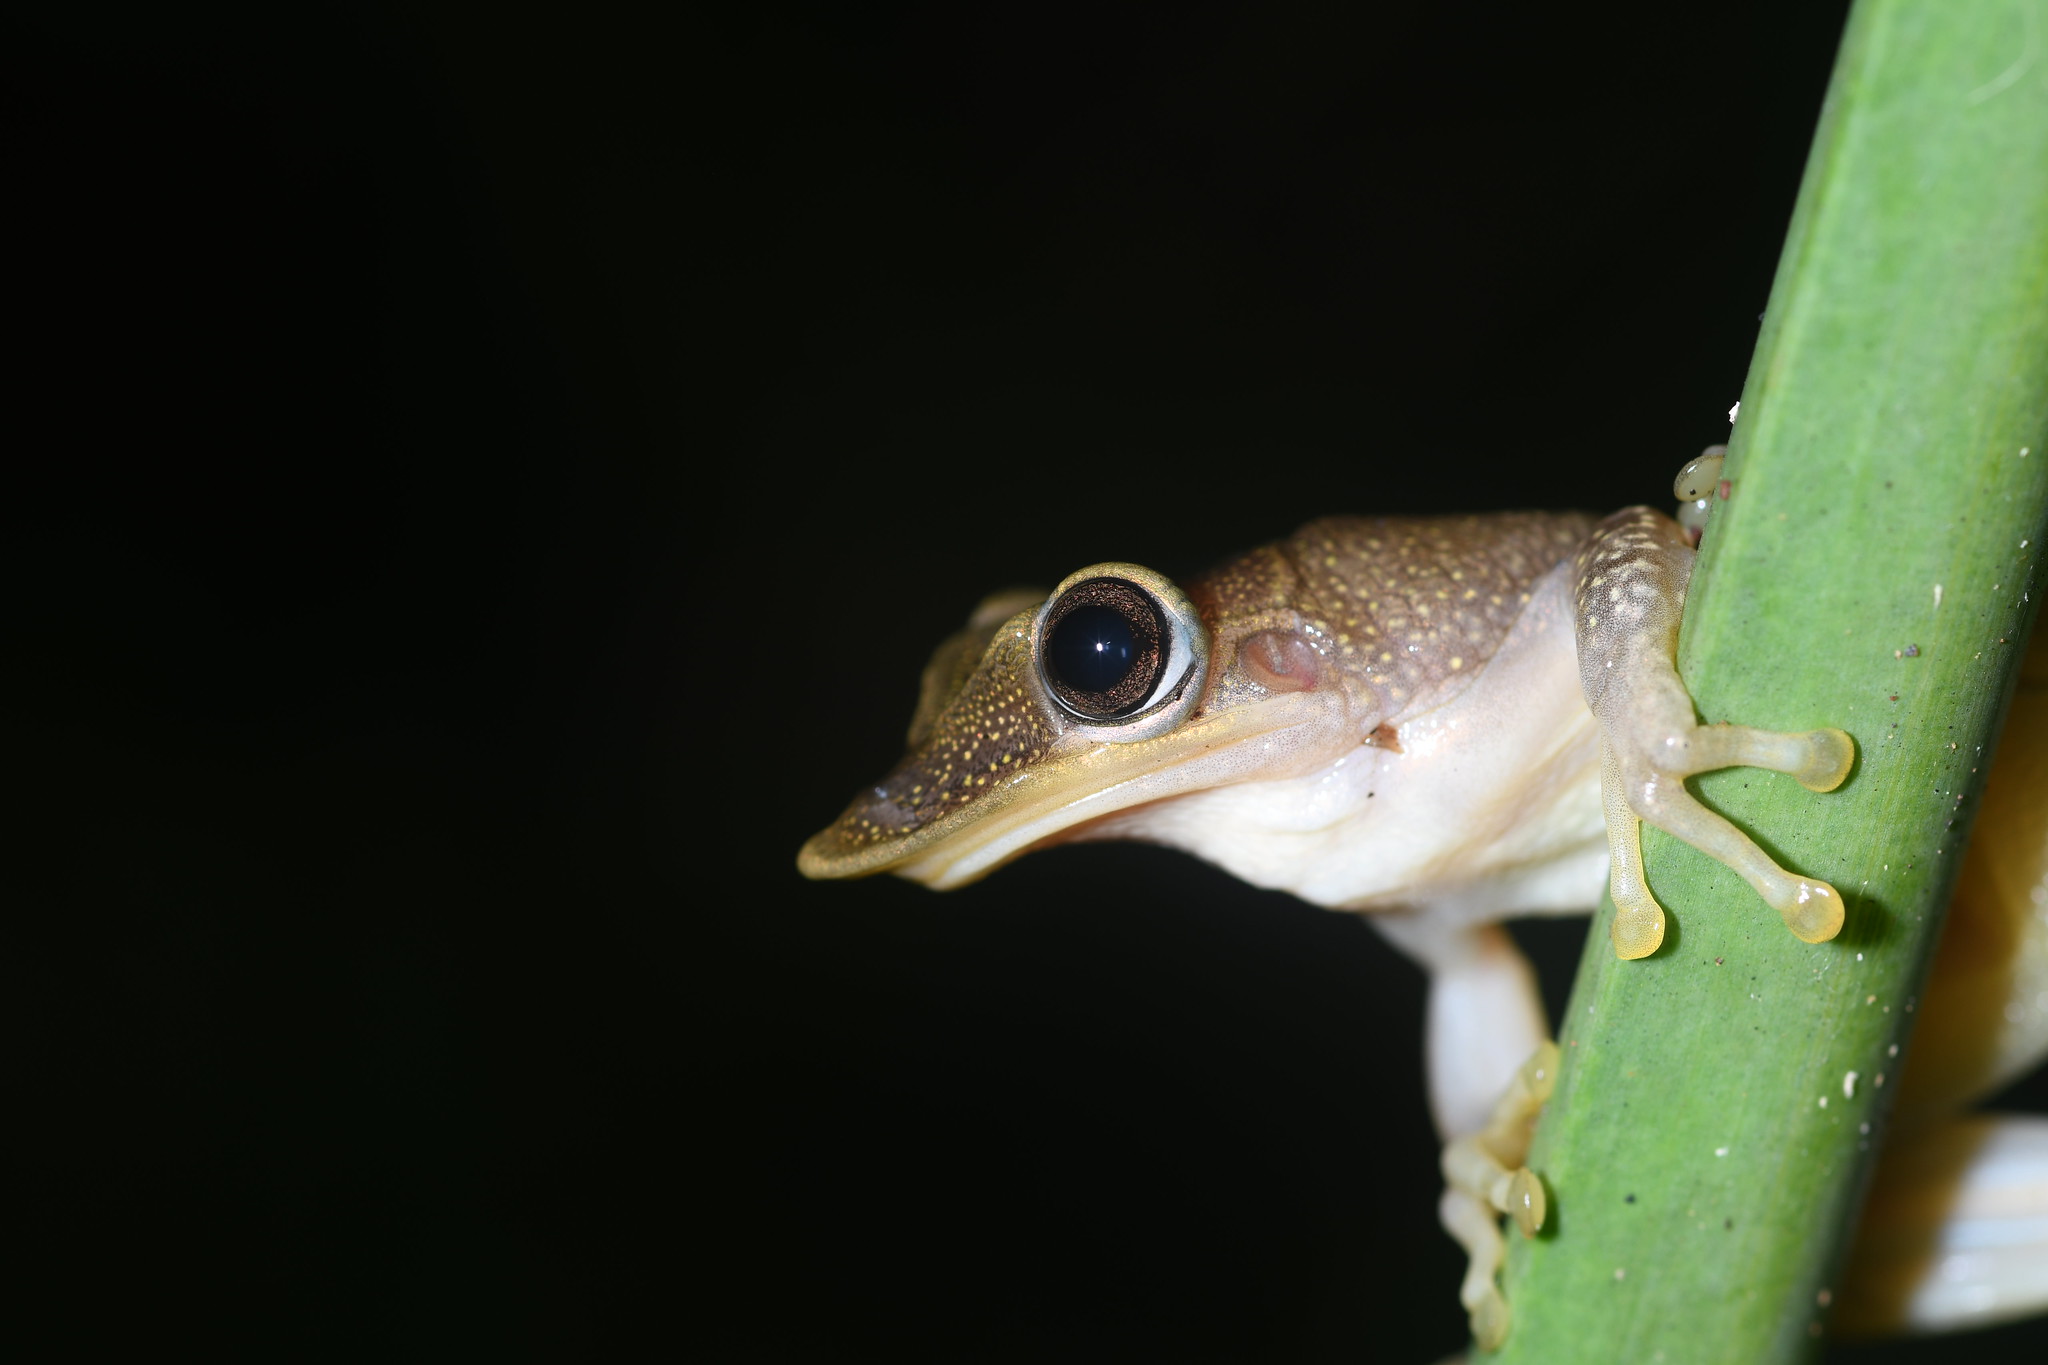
x: 1632, y: 578
x: 1477, y: 1229
x: 1484, y: 1178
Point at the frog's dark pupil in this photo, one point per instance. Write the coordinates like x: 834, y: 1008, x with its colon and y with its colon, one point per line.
x: 1104, y: 648
x: 1092, y: 649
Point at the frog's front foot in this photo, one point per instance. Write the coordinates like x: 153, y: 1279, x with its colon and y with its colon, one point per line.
x: 1484, y: 1177
x: 1649, y: 784
x: 1632, y: 578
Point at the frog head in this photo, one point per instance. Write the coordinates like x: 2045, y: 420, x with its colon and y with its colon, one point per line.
x: 1050, y: 713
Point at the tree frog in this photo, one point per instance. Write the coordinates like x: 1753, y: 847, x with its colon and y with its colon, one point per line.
x: 1437, y: 723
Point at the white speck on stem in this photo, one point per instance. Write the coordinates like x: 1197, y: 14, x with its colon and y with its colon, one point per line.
x: 1738, y: 408
x: 1823, y: 1101
x: 1849, y: 1085
x: 1720, y: 1151
x: 1937, y: 597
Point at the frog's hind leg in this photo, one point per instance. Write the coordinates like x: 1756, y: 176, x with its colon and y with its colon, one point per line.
x: 1631, y: 579
x: 1490, y: 1070
x: 1955, y: 1233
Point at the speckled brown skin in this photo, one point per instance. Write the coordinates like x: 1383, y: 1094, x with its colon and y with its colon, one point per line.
x: 990, y: 723
x: 1398, y: 611
x: 1406, y: 606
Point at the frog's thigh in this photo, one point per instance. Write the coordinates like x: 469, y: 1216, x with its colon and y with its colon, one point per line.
x: 1630, y: 587
x: 1955, y: 1233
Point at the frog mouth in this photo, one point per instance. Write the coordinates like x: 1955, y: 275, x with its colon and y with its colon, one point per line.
x: 1079, y: 781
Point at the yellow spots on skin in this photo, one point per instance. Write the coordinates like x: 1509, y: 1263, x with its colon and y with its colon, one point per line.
x: 989, y: 727
x: 1406, y: 603
x: 1383, y: 580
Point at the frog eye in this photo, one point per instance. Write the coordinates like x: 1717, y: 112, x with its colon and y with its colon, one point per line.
x: 1103, y: 648
x: 1122, y: 650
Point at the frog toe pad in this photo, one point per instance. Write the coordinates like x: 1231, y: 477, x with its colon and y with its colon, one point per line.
x: 1526, y: 1202
x: 1813, y: 910
x: 1831, y: 754
x: 1638, y: 927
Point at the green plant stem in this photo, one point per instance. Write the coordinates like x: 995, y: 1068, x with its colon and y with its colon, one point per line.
x: 1873, y: 569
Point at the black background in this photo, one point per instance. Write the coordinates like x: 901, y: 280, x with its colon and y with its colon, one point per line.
x: 486, y: 485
